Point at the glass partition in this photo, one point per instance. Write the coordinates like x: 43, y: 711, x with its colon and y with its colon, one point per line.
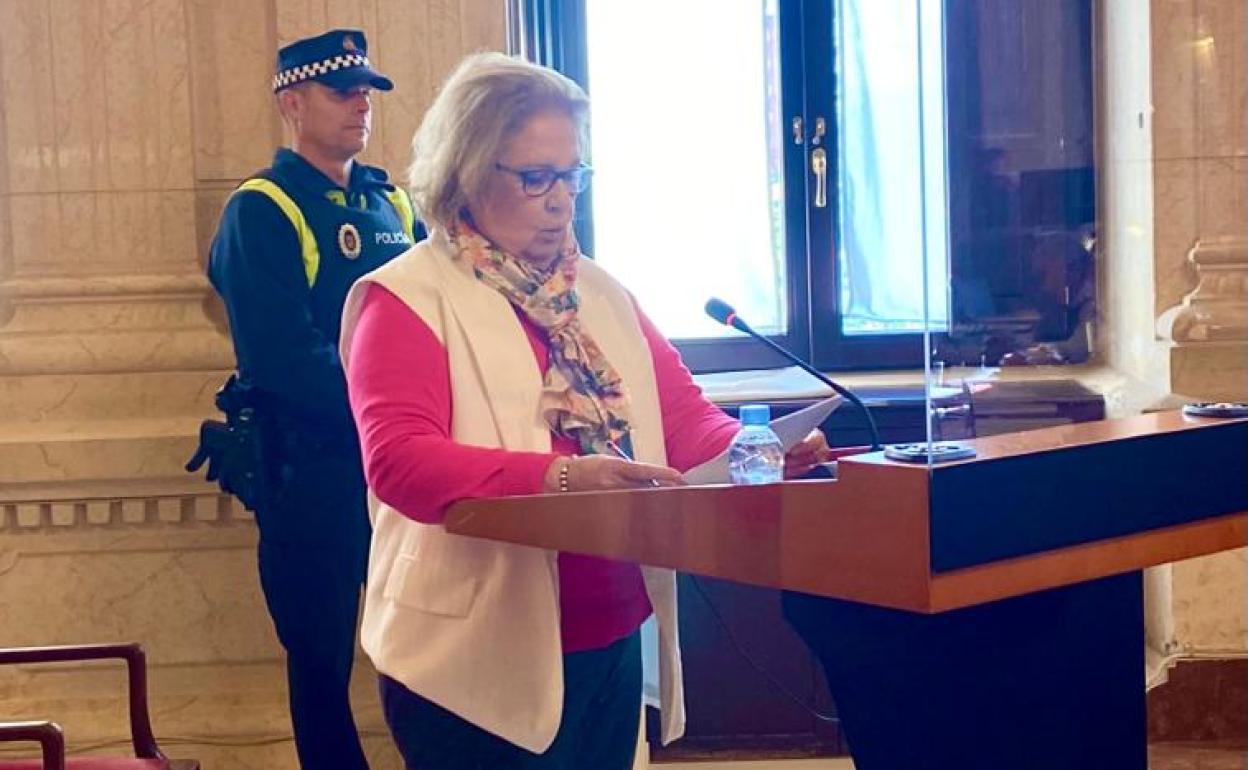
x: 1011, y: 220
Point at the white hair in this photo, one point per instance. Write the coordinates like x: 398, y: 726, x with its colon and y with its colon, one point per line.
x: 484, y: 102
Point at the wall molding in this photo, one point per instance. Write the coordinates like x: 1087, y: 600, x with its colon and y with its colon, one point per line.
x: 1217, y: 309
x: 95, y: 513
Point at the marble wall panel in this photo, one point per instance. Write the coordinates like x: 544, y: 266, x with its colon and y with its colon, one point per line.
x: 6, y: 231
x: 6, y: 251
x: 31, y: 235
x: 445, y: 43
x: 131, y: 304
x: 402, y: 35
x: 167, y: 98
x: 149, y: 115
x: 483, y: 24
x: 81, y: 97
x: 236, y: 125
x: 1223, y: 203
x: 51, y: 454
x: 304, y: 18
x: 121, y: 95
x: 1176, y: 191
x: 149, y: 231
x: 103, y: 233
x: 208, y: 203
x: 361, y: 14
x: 1221, y: 84
x: 227, y: 716
x: 430, y: 40
x: 70, y: 249
x: 1208, y: 617
x: 4, y: 151
x: 1212, y: 371
x: 26, y: 58
x: 1173, y: 75
x: 253, y: 686
x: 97, y: 121
x: 123, y: 595
x: 6, y: 236
x: 301, y: 18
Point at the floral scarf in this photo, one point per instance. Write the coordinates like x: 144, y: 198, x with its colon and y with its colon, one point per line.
x: 582, y: 397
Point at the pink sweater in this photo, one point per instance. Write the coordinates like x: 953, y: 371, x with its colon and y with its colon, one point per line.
x: 400, y: 388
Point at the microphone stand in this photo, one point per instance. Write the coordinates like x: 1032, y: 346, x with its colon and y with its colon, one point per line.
x: 818, y: 375
x: 929, y: 451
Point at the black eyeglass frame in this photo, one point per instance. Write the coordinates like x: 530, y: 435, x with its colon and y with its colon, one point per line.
x: 576, y: 178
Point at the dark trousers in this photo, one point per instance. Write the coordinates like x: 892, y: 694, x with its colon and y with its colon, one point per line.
x: 601, y: 710
x: 313, y: 555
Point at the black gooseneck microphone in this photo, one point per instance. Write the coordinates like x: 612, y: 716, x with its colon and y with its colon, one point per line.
x: 724, y: 313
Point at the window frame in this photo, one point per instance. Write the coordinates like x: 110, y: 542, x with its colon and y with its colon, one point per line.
x: 832, y: 349
x: 552, y: 32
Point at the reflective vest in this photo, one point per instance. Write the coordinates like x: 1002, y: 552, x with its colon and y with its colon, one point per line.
x: 340, y: 243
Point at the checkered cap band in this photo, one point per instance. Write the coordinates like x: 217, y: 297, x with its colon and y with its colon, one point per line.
x: 289, y: 77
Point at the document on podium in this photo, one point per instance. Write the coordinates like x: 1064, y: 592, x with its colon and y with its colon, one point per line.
x: 791, y: 429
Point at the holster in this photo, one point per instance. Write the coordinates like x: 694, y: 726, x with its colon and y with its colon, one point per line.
x: 235, y: 450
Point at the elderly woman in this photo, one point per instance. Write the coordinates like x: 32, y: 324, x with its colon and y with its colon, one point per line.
x: 494, y: 359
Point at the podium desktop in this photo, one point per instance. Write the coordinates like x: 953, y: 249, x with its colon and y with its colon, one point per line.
x: 976, y: 614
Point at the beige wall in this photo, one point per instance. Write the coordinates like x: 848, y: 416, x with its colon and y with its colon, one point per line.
x: 123, y: 126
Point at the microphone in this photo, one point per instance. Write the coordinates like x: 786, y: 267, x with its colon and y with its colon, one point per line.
x: 724, y: 313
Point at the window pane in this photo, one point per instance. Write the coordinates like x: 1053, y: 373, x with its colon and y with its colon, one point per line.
x: 892, y: 167
x: 687, y: 141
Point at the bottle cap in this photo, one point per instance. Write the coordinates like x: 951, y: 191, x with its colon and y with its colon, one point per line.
x: 755, y: 414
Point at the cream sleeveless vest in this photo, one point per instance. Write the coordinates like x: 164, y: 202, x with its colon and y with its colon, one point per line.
x: 471, y: 624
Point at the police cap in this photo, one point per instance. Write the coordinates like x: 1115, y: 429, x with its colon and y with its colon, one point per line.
x: 337, y: 59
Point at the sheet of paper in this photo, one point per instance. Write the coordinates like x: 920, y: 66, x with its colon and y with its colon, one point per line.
x: 791, y: 429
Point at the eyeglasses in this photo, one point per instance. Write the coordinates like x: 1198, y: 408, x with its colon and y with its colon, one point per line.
x: 539, y: 181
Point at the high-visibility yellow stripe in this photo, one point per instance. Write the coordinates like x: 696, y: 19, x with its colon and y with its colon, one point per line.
x: 307, y: 241
x: 403, y: 205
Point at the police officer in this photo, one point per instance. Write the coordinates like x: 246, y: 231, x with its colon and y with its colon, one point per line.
x: 291, y: 241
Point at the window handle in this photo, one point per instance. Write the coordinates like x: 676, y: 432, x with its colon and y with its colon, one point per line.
x: 821, y: 129
x: 819, y: 167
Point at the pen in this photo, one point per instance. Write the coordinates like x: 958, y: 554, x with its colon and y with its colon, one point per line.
x: 619, y: 452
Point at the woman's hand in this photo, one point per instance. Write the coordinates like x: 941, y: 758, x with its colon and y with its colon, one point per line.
x: 803, y: 456
x: 606, y: 472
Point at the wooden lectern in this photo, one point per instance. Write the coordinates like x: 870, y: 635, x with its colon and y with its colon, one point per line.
x: 985, y: 613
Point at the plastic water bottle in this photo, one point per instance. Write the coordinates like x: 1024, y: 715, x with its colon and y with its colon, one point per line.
x: 756, y: 455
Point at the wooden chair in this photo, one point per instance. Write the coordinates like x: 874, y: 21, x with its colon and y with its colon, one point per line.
x: 147, y: 755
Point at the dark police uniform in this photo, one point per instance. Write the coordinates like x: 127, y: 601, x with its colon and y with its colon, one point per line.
x: 289, y: 245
